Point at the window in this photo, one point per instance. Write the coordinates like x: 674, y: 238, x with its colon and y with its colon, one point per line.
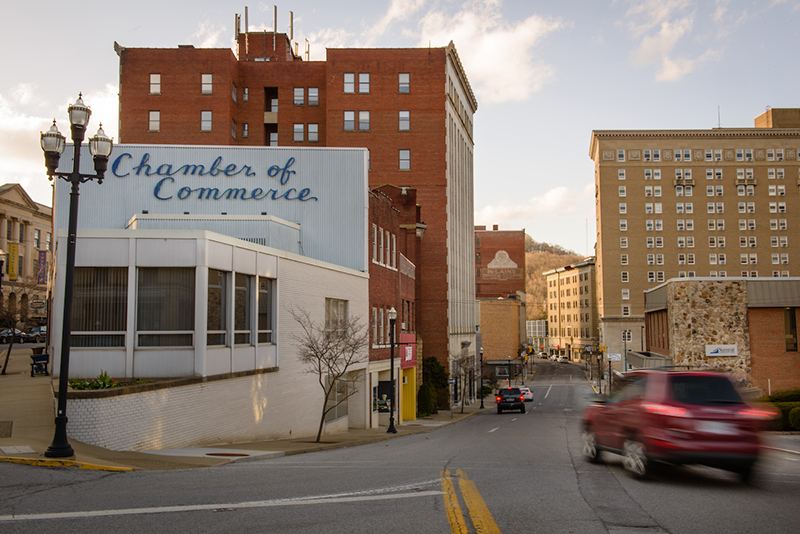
x: 404, y: 121
x: 233, y: 92
x: 681, y: 259
x: 689, y: 207
x: 335, y: 317
x: 721, y: 241
x: 299, y: 96
x: 154, y: 121
x: 273, y: 139
x: 709, y: 155
x: 206, y: 85
x: 681, y: 225
x: 245, y: 94
x: 712, y: 259
x: 623, y: 242
x: 49, y: 241
x: 739, y: 154
x: 363, y: 120
x: 99, y: 307
x: 659, y: 225
x: 781, y: 190
x: 620, y: 155
x: 626, y: 311
x: 621, y: 174
x: 743, y: 259
x: 721, y: 224
x: 659, y: 242
x: 622, y: 190
x: 233, y: 129
x: 718, y: 174
x: 217, y: 310
x: 623, y: 225
x: 349, y: 82
x: 648, y: 207
x: 656, y: 190
x: 784, y: 241
x: 648, y: 174
x: 299, y: 133
x: 651, y: 259
x: 690, y: 224
x: 623, y: 259
x: 651, y: 276
x: 205, y: 121
x: 648, y: 191
x: 623, y: 207
x: 647, y: 155
x: 718, y: 190
x: 37, y: 239
x: 710, y: 190
x: 720, y: 207
x: 242, y: 306
x: 405, y: 159
x: 790, y: 329
x: 648, y: 224
x: 155, y: 84
x: 404, y: 82
x: 772, y: 190
x: 748, y: 154
x: 624, y: 276
x: 626, y: 294
x: 363, y: 82
x: 660, y: 276
x: 165, y: 304
x: 651, y: 242
x: 313, y: 132
x: 711, y: 207
x: 313, y: 96
x: 656, y: 155
x: 678, y: 190
x: 349, y: 121
x: 687, y: 190
x: 245, y: 130
x: 679, y: 207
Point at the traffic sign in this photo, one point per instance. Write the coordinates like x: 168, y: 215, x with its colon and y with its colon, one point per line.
x: 614, y: 357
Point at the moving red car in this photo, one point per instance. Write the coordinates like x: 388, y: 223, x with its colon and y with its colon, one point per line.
x: 679, y: 417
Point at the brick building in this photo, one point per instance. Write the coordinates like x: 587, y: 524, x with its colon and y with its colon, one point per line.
x: 572, y: 309
x: 692, y: 203
x: 742, y: 326
x: 411, y: 108
x: 499, y: 262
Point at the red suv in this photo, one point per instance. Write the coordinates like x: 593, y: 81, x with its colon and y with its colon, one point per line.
x: 679, y: 417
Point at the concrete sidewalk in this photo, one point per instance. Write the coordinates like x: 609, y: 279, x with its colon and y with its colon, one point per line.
x: 27, y: 427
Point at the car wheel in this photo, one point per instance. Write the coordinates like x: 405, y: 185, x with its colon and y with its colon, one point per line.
x: 590, y: 450
x: 499, y: 409
x: 745, y: 473
x: 634, y: 459
x: 522, y: 410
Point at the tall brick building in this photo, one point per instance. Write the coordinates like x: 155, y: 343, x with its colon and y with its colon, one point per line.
x: 412, y: 108
x: 712, y: 203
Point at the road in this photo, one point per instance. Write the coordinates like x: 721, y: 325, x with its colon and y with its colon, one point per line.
x: 509, y: 473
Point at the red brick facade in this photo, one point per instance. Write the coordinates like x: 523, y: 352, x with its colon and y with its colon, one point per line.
x: 270, y: 79
x: 773, y: 367
x: 495, y: 252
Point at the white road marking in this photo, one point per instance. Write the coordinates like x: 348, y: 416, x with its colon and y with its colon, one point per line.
x: 492, y: 430
x: 219, y: 506
x: 548, y: 392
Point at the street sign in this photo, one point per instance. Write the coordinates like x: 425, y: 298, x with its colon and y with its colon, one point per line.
x: 37, y: 305
x: 451, y: 380
x: 614, y: 357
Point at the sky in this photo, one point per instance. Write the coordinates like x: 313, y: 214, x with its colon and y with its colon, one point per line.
x: 545, y: 74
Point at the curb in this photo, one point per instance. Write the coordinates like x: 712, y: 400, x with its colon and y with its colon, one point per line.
x: 62, y: 463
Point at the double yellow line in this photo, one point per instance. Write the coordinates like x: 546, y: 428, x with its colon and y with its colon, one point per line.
x: 479, y: 513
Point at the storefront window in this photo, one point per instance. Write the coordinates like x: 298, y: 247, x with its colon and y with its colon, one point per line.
x: 242, y: 302
x: 217, y: 307
x: 165, y: 307
x: 265, y: 310
x: 99, y: 307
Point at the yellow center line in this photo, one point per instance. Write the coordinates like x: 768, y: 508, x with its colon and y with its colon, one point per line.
x: 451, y: 507
x: 479, y: 513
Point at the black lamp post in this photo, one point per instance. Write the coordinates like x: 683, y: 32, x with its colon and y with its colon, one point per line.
x: 53, y: 144
x: 392, y: 318
x: 480, y: 378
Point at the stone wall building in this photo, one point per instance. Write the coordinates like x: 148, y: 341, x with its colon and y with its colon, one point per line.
x: 745, y: 327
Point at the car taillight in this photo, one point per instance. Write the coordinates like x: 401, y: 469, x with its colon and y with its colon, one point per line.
x: 666, y: 409
x: 498, y: 399
x: 522, y: 398
x: 761, y: 414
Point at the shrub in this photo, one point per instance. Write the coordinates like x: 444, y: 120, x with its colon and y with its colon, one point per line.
x: 786, y: 396
x: 782, y: 422
x: 794, y: 418
x: 103, y: 381
x: 426, y: 400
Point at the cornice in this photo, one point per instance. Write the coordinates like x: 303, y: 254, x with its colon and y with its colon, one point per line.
x: 453, y: 54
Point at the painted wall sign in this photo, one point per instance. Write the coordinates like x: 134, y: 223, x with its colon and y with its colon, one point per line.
x: 13, y: 261
x: 722, y: 350
x: 41, y: 275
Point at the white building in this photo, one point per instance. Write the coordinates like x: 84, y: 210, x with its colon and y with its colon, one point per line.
x: 188, y: 261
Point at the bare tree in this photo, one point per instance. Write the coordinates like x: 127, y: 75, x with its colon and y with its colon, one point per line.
x: 329, y: 353
x: 16, y: 314
x: 465, y: 363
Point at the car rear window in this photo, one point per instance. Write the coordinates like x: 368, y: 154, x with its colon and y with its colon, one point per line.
x: 511, y: 391
x: 703, y: 390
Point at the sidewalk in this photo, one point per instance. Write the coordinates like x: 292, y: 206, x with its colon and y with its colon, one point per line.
x: 27, y: 427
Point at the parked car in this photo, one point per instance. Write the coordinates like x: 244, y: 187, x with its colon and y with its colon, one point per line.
x: 563, y: 359
x: 5, y: 336
x: 554, y: 357
x: 526, y: 394
x: 510, y: 398
x: 678, y: 417
x: 35, y: 334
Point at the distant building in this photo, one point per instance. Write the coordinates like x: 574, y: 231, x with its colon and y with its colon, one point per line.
x: 25, y: 234
x: 537, y: 335
x: 572, y: 309
x: 712, y: 203
x: 742, y: 326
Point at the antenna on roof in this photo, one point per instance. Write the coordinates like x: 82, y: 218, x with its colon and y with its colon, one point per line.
x: 246, y: 33
x: 274, y: 28
x: 291, y: 25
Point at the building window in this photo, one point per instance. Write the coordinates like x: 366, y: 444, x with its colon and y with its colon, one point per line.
x: 623, y: 207
x: 349, y: 121
x: 49, y: 241
x: 622, y: 191
x: 205, y: 121
x: 404, y: 121
x: 624, y: 276
x: 363, y: 120
x: 265, y: 326
x: 623, y: 242
x: 165, y: 307
x: 37, y: 238
x: 349, y: 82
x: 313, y: 96
x: 99, y: 308
x: 363, y: 82
x: 242, y: 304
x: 154, y: 121
x: 404, y: 82
x: 299, y: 133
x: 155, y: 84
x: 623, y: 225
x: 217, y: 310
x: 620, y: 155
x: 405, y: 159
x: 335, y: 317
x: 233, y: 92
x: 299, y: 96
x: 233, y: 129
x: 245, y: 94
x: 206, y: 84
x: 626, y: 311
x: 313, y: 132
x: 626, y: 294
x: 790, y: 329
x: 623, y: 259
x: 21, y: 239
x: 245, y: 130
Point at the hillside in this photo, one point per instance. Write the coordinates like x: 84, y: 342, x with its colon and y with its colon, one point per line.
x: 539, y: 258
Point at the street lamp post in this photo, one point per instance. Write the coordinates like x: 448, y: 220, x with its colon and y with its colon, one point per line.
x: 53, y: 144
x: 625, y: 334
x: 509, y: 371
x: 641, y: 337
x: 392, y: 318
x: 480, y: 379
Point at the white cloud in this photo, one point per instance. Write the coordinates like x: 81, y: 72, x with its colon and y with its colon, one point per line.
x: 482, y: 36
x: 399, y: 10
x: 208, y: 35
x: 555, y: 203
x: 327, y: 38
